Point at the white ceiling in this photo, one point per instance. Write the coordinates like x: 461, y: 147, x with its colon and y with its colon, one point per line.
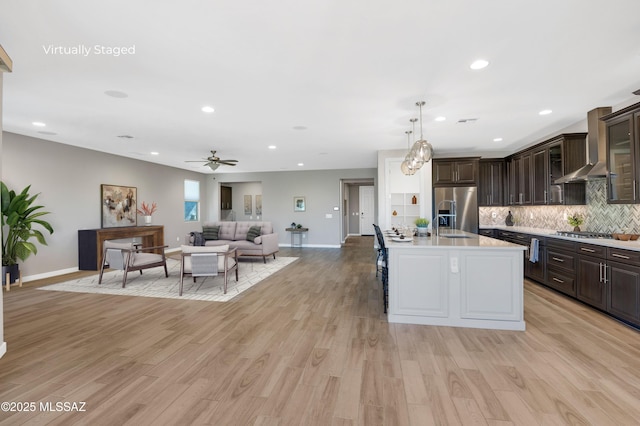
x: 349, y: 72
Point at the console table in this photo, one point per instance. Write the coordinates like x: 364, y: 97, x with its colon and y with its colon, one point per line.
x: 90, y: 242
x: 298, y: 231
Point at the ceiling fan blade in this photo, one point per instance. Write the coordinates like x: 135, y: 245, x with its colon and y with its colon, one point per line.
x: 196, y: 161
x: 226, y: 163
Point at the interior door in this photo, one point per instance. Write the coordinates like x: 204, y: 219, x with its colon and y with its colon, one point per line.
x: 367, y: 214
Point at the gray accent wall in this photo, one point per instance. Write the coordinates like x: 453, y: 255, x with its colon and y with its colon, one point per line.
x: 68, y: 179
x: 321, y: 189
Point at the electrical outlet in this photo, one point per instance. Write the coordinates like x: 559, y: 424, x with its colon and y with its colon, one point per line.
x: 178, y: 239
x: 494, y: 215
x: 530, y: 215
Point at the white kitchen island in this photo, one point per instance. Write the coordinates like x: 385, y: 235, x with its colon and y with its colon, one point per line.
x: 464, y: 280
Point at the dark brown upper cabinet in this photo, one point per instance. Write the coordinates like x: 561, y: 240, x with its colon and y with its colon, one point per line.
x: 455, y: 171
x: 623, y: 154
x: 519, y: 166
x: 550, y: 161
x: 491, y: 183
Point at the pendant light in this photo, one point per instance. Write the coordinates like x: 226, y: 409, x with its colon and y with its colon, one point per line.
x: 407, y: 166
x: 422, y: 149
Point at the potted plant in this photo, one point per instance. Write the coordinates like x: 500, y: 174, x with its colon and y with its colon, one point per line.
x: 422, y: 224
x: 147, y: 211
x: 19, y: 216
x: 575, y: 220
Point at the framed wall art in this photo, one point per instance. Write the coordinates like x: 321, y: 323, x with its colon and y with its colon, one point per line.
x: 118, y: 205
x: 248, y: 208
x: 299, y: 204
x: 259, y: 205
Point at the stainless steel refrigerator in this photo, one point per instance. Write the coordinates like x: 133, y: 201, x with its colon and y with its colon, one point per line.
x: 456, y: 208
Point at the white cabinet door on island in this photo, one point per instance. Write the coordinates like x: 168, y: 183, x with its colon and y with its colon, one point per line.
x: 464, y: 281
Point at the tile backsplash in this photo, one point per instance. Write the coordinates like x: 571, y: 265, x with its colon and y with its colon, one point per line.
x: 599, y: 216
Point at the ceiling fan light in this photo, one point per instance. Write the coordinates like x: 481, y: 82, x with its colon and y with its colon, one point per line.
x: 213, y: 166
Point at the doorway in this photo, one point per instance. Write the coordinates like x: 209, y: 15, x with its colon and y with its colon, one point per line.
x: 358, y: 207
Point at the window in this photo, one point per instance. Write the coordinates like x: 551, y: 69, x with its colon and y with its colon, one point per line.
x: 191, y: 201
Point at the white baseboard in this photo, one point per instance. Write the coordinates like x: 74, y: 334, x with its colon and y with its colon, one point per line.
x: 310, y: 246
x: 3, y: 349
x: 49, y: 274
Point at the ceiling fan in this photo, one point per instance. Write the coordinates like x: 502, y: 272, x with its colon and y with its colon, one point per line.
x: 213, y: 161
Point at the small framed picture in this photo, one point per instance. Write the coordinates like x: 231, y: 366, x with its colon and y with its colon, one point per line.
x: 299, y: 204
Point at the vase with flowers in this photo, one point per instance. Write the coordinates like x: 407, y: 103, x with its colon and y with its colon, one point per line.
x: 147, y: 211
x: 575, y: 220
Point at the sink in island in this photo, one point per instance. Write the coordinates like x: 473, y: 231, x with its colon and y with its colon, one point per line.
x: 457, y: 279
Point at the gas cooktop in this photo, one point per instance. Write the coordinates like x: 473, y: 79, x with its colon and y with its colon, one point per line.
x: 584, y: 234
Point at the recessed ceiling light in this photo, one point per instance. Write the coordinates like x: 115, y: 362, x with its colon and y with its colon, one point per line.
x: 116, y: 94
x: 38, y: 124
x: 155, y: 153
x: 545, y: 112
x: 299, y: 127
x: 441, y: 118
x: 479, y: 64
x: 207, y: 109
x: 300, y: 164
x: 272, y: 147
x: 497, y: 140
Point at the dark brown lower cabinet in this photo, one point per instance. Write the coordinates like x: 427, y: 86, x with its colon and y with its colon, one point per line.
x: 590, y: 287
x: 623, y: 291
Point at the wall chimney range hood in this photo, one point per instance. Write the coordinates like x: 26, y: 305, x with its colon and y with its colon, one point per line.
x: 596, y: 167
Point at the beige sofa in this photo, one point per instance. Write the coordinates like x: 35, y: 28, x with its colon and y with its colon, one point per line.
x: 235, y: 234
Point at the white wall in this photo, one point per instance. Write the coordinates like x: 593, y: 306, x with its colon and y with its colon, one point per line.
x: 321, y: 189
x: 426, y: 187
x: 68, y: 179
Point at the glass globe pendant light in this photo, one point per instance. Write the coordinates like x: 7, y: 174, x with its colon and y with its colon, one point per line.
x: 423, y: 149
x: 407, y: 166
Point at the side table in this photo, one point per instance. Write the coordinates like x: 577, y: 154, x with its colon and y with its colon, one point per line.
x: 299, y: 232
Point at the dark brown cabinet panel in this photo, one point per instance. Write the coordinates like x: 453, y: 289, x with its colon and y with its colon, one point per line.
x: 491, y: 183
x: 520, y: 179
x: 623, y: 284
x: 622, y: 158
x: 540, y: 180
x: 591, y: 289
x: 561, y: 266
x: 455, y: 172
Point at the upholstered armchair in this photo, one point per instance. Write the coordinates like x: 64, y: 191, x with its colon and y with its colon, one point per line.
x: 208, y: 261
x: 127, y: 258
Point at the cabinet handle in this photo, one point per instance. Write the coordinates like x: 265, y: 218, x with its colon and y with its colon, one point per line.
x: 634, y: 190
x: 519, y: 236
x: 558, y: 280
x: 545, y: 197
x: 600, y: 272
x: 621, y: 256
x: 587, y: 249
x: 558, y: 259
x: 606, y: 280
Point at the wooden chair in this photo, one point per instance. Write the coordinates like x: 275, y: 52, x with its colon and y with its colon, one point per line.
x: 127, y: 258
x: 208, y: 261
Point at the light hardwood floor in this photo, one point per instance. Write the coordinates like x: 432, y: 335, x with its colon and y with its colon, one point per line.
x: 310, y: 345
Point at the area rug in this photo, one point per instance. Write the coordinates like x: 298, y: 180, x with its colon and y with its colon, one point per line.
x: 153, y: 283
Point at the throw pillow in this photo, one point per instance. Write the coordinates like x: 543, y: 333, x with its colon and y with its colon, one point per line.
x: 258, y: 240
x: 253, y: 233
x: 198, y: 238
x: 210, y: 232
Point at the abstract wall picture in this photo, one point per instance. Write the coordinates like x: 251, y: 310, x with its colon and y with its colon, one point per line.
x: 118, y: 204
